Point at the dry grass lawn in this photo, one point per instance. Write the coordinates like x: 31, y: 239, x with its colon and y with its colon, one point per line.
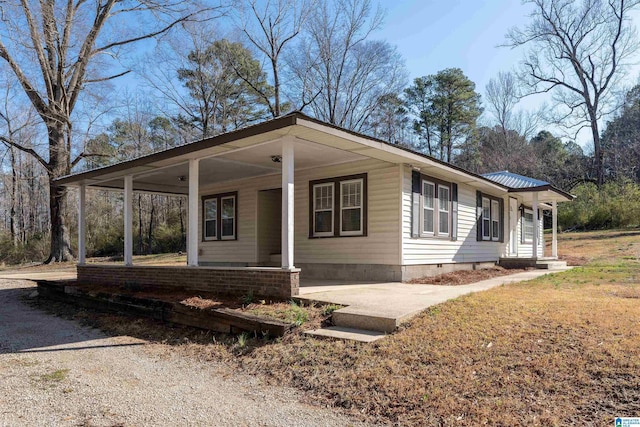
x: 560, y: 350
x: 563, y: 349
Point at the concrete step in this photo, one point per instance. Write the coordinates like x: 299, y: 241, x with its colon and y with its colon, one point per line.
x: 347, y: 334
x: 551, y: 265
x: 350, y: 317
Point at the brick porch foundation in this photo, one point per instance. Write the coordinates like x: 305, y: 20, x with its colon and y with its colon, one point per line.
x: 266, y: 282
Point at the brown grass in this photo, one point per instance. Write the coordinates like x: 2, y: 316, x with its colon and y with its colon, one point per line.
x: 560, y: 350
x: 465, y: 277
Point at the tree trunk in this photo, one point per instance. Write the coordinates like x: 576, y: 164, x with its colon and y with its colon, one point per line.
x: 276, y: 87
x: 14, y: 199
x: 597, y: 153
x: 58, y: 166
x: 150, y: 230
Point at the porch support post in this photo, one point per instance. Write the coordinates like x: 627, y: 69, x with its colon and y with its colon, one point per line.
x: 192, y: 233
x: 82, y: 225
x: 287, y: 204
x: 554, y: 228
x: 536, y: 228
x: 128, y: 220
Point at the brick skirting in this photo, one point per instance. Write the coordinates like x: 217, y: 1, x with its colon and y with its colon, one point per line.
x: 266, y: 282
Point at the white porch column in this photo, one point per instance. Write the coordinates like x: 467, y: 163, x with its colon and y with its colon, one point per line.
x: 128, y: 220
x: 287, y: 204
x: 554, y: 228
x: 192, y: 233
x: 82, y: 225
x: 536, y: 228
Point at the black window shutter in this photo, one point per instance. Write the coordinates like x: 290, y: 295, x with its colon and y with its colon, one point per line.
x: 415, y: 204
x: 454, y: 212
x: 501, y: 207
x: 478, y: 216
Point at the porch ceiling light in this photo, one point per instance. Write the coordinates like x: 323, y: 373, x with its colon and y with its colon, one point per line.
x: 182, y: 178
x: 276, y: 159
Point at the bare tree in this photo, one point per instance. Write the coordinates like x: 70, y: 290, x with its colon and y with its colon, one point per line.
x: 341, y: 74
x: 270, y: 26
x: 56, y: 49
x: 578, y: 52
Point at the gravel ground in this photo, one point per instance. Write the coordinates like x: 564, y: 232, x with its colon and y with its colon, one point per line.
x: 55, y: 372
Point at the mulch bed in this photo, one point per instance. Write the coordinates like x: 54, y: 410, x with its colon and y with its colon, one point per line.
x: 464, y: 277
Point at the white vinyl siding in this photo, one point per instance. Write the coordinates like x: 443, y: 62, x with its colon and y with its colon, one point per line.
x: 381, y: 245
x: 465, y: 248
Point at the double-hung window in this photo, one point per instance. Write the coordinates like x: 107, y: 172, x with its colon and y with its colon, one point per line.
x: 490, y: 221
x: 351, y: 207
x: 527, y: 226
x: 436, y: 208
x: 323, y: 209
x: 428, y: 207
x: 338, y: 206
x: 219, y: 216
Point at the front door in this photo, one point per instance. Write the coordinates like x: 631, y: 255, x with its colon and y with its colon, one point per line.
x: 513, y: 226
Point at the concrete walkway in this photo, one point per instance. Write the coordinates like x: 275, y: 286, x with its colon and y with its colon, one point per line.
x: 384, y: 306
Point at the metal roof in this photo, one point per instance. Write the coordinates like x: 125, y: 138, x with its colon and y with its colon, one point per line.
x: 513, y: 180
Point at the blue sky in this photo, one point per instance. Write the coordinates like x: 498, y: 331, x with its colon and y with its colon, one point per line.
x: 436, y: 34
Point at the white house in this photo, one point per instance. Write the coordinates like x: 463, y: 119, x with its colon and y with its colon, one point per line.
x: 298, y: 196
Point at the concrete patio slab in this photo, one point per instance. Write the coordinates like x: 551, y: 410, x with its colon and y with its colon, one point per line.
x: 384, y: 306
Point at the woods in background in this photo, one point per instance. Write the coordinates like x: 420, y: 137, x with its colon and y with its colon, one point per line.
x: 220, y: 68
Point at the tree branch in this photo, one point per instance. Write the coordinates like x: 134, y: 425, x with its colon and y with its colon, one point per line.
x: 27, y: 150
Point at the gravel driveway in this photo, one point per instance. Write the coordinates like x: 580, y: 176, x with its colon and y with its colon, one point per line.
x: 55, y: 372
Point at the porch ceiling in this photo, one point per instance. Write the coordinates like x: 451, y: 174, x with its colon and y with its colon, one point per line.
x: 546, y: 194
x: 229, y: 166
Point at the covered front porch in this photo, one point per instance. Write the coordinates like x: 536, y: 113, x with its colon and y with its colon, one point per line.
x: 271, y: 153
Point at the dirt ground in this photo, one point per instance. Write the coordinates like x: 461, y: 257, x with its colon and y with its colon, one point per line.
x: 55, y: 372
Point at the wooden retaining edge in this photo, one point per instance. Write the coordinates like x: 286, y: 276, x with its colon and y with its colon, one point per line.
x: 222, y: 320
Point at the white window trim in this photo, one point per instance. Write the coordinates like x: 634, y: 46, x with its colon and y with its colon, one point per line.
x: 524, y: 226
x: 448, y: 211
x: 232, y: 236
x: 359, y: 232
x: 497, y: 219
x: 436, y: 210
x: 424, y: 232
x: 333, y: 196
x: 204, y: 211
x: 488, y: 236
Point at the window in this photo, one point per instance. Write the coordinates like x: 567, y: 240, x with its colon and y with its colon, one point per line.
x: 436, y: 208
x: 486, y: 219
x: 428, y: 192
x: 323, y: 209
x: 338, y: 207
x: 219, y: 216
x: 527, y: 226
x: 490, y: 218
x: 495, y: 220
x: 211, y: 219
x: 443, y: 210
x: 351, y: 207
